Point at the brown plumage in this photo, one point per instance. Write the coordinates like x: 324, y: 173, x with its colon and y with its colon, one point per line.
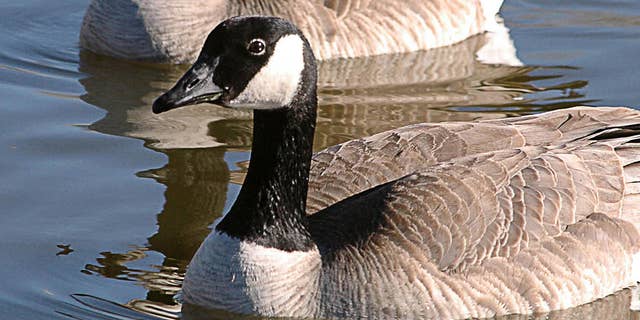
x: 437, y: 221
x: 360, y: 164
x: 505, y: 216
x: 174, y: 31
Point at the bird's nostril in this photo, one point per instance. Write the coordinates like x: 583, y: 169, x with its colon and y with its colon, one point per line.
x: 192, y: 84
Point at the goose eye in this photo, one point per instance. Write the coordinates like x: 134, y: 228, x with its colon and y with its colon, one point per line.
x: 256, y: 47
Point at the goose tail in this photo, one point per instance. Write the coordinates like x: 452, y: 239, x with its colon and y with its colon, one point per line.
x: 625, y: 141
x: 499, y: 47
x: 490, y: 9
x: 631, y: 202
x: 623, y: 135
x: 629, y: 154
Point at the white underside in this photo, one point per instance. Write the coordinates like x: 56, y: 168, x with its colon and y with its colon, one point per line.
x: 635, y: 299
x: 635, y: 267
x: 499, y: 48
x: 635, y: 291
x: 490, y: 9
x: 243, y: 277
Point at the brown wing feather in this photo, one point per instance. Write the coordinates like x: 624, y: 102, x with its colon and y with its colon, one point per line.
x: 462, y: 210
x: 483, y: 235
x: 520, y: 230
x: 352, y: 167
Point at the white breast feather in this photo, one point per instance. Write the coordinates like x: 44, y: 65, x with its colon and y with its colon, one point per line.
x: 244, y: 277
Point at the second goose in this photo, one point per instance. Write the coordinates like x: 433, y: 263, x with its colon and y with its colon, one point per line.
x: 444, y: 221
x: 173, y: 31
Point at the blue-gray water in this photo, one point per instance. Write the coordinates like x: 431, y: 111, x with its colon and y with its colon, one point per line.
x: 102, y: 203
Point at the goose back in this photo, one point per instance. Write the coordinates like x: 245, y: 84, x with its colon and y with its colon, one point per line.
x: 174, y: 31
x: 530, y: 229
x: 351, y: 28
x: 167, y: 31
x: 357, y: 165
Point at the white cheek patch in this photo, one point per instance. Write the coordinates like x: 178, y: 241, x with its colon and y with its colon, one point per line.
x: 277, y: 82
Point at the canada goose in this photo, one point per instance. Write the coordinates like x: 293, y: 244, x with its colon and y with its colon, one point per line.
x: 452, y: 220
x: 172, y: 31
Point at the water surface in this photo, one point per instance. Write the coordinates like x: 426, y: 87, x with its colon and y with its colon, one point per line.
x: 102, y: 203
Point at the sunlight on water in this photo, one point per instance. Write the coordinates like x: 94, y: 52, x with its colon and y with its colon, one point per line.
x: 104, y: 203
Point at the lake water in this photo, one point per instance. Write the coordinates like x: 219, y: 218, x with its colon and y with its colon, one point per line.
x: 102, y: 204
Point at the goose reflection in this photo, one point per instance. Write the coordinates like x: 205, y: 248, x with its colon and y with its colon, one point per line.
x: 196, y: 181
x: 610, y: 307
x: 196, y: 191
x: 358, y: 97
x: 607, y: 308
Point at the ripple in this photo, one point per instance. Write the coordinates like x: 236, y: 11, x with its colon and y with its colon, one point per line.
x: 38, y: 45
x: 544, y: 14
x: 137, y: 275
x: 92, y: 307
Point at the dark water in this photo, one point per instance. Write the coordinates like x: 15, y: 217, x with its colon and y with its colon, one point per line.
x: 102, y: 203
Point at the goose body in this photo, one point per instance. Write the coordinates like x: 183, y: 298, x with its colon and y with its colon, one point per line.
x: 446, y: 221
x: 173, y: 31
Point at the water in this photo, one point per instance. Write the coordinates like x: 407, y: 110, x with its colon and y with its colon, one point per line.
x: 102, y: 203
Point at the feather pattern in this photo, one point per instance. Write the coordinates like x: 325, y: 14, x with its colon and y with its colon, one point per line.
x: 174, y: 31
x: 457, y: 220
x: 350, y: 28
x: 357, y: 165
x: 511, y: 216
x: 520, y: 226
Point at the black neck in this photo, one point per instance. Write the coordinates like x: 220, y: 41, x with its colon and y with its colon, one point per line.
x: 271, y: 207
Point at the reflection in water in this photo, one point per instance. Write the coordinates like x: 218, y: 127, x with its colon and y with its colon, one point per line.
x: 358, y: 97
x: 91, y: 307
x: 196, y: 191
x: 613, y: 307
x: 196, y: 181
x: 126, y: 90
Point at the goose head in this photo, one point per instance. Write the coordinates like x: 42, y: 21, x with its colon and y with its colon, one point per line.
x: 264, y: 64
x: 250, y: 62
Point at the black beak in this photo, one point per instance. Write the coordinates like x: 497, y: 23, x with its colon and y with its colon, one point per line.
x: 195, y: 86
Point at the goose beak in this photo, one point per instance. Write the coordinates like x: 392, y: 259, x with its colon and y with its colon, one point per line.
x: 196, y: 86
